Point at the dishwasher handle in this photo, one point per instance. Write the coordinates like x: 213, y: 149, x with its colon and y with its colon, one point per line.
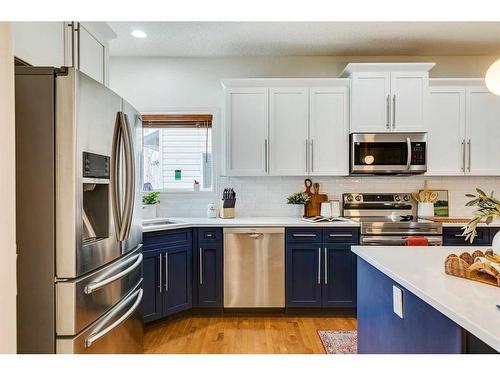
x: 254, y: 230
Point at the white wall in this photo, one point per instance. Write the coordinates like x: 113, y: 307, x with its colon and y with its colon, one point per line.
x: 7, y: 197
x: 159, y: 83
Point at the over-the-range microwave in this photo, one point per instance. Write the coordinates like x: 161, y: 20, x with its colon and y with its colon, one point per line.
x: 388, y: 153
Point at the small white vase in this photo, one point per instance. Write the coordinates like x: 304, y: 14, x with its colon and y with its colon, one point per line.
x: 149, y: 211
x: 495, y: 244
x: 298, y: 210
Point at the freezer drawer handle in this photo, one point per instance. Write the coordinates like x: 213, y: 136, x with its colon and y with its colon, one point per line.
x: 99, y: 334
x: 96, y: 285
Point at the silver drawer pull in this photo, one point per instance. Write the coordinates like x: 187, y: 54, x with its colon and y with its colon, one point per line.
x: 340, y: 235
x: 96, y: 285
x: 319, y: 265
x: 99, y: 334
x: 304, y: 235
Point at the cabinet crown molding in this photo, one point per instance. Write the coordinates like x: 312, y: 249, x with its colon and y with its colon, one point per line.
x: 386, y: 67
x: 285, y: 82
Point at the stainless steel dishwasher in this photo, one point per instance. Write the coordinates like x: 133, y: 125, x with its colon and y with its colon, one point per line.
x: 254, y: 267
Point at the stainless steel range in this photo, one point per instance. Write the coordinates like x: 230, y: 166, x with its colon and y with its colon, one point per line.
x: 389, y: 218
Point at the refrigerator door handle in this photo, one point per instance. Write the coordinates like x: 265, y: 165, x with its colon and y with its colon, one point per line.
x: 129, y: 177
x: 115, y: 176
x: 98, y: 334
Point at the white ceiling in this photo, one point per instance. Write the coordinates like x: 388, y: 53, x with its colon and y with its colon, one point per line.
x: 306, y: 38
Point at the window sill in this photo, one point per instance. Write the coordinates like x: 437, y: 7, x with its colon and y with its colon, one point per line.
x: 182, y: 192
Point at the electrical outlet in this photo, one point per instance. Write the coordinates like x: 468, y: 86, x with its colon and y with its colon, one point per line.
x: 397, y: 301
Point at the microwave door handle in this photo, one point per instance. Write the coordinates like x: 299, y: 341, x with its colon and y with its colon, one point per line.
x: 408, y: 146
x: 129, y: 176
x: 115, y: 176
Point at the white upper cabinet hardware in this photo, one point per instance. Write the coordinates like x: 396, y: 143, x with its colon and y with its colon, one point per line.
x: 246, y: 140
x: 288, y: 131
x: 463, y: 128
x: 388, y: 96
x: 80, y: 45
x: 286, y: 127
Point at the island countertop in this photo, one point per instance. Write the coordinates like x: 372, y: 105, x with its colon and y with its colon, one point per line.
x: 420, y: 269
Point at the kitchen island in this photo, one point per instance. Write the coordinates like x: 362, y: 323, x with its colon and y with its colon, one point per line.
x: 407, y: 304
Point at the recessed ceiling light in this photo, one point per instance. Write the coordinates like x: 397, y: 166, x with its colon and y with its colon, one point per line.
x: 139, y: 34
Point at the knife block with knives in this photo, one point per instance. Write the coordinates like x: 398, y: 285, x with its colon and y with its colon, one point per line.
x: 228, y: 203
x: 313, y: 208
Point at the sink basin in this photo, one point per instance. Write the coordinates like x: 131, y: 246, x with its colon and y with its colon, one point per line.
x: 163, y: 222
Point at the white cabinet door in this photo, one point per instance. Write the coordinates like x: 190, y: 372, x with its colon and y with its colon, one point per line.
x: 409, y: 101
x: 483, y: 132
x: 246, y: 131
x: 91, y: 55
x: 446, y: 136
x: 369, y: 102
x: 288, y: 131
x: 328, y: 131
x: 39, y: 43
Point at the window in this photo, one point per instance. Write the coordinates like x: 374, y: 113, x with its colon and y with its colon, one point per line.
x: 177, y: 152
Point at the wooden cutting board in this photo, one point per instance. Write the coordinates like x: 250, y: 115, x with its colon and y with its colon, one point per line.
x: 313, y: 208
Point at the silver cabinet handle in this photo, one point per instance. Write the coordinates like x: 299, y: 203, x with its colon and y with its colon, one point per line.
x: 166, y: 272
x: 394, y: 111
x: 265, y: 155
x: 96, y: 335
x: 463, y: 155
x: 201, y: 266
x: 319, y: 265
x: 96, y: 285
x: 408, y: 147
x: 312, y: 156
x: 326, y: 266
x: 388, y: 113
x: 303, y: 235
x: 160, y: 284
x: 307, y: 155
x: 340, y: 235
x: 469, y: 144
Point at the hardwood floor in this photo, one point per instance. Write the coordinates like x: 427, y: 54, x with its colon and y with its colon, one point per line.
x: 241, y: 334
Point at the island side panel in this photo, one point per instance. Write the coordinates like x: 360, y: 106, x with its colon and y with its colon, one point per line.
x: 422, y: 330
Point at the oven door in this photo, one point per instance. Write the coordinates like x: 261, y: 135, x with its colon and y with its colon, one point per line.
x: 390, y: 153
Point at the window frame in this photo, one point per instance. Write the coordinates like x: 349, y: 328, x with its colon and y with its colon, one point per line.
x: 216, y: 133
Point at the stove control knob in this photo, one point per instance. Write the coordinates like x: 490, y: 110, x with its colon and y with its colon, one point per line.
x: 397, y: 198
x: 349, y: 198
x: 406, y: 198
x: 358, y: 198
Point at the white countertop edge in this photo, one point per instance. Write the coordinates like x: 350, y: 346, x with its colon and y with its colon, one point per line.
x: 479, y: 332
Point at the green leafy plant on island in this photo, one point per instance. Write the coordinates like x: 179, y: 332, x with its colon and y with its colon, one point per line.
x: 488, y: 210
x: 298, y: 198
x: 151, y: 198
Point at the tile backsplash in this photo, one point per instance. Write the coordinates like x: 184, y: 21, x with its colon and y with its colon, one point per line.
x: 266, y: 196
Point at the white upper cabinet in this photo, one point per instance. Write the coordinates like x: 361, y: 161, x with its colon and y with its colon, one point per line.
x: 483, y: 132
x: 288, y: 131
x: 388, y: 96
x: 370, y: 102
x: 446, y: 135
x: 464, y: 129
x: 246, y: 141
x: 306, y: 120
x: 328, y: 131
x: 92, y: 55
x: 39, y: 43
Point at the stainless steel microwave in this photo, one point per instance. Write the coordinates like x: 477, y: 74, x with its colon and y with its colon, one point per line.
x: 388, y: 153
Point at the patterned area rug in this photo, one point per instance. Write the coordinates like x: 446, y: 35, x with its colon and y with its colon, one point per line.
x: 339, y: 342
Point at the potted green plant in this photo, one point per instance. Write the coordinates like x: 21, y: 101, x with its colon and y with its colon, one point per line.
x: 149, y: 204
x: 488, y: 211
x: 298, y: 200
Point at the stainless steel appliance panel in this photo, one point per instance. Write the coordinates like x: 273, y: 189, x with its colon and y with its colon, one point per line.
x: 396, y: 240
x: 119, y: 331
x: 134, y: 122
x: 86, y: 114
x: 79, y: 302
x: 254, y: 267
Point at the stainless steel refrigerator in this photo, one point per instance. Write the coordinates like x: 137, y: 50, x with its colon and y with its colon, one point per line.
x: 79, y: 237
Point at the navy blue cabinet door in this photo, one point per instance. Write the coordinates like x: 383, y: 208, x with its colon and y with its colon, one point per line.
x: 209, y: 275
x: 151, y: 306
x: 303, y: 275
x: 178, y: 286
x: 453, y: 236
x: 339, y: 276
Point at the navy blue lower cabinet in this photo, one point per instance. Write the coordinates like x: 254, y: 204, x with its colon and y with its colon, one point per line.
x: 453, y: 236
x: 422, y: 330
x: 209, y: 275
x: 151, y: 306
x: 178, y: 279
x: 303, y: 275
x: 339, y: 276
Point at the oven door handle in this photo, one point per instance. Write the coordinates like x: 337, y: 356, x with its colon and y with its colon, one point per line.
x: 397, y: 240
x: 408, y: 146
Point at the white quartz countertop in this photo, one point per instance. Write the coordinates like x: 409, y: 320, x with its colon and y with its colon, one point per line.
x: 420, y: 269
x: 153, y: 225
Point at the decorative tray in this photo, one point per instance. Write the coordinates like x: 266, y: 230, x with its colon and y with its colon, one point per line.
x: 483, y: 270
